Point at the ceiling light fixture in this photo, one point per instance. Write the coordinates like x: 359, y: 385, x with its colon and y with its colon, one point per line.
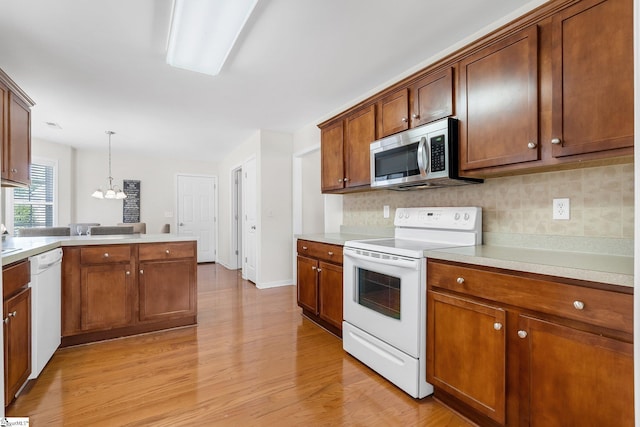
x: 113, y: 192
x: 203, y: 32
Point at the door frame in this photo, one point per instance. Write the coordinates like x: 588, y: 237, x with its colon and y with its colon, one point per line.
x: 236, y: 239
x: 216, y: 233
x: 244, y: 223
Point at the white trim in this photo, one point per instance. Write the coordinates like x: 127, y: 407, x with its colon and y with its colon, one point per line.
x: 233, y: 240
x: 276, y: 284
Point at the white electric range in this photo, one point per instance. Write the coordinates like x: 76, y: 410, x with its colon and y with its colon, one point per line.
x: 385, y: 291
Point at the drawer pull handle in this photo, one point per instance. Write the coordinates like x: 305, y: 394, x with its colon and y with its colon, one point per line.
x: 460, y: 280
x: 330, y: 253
x: 106, y: 254
x: 522, y: 334
x: 497, y: 326
x: 167, y: 251
x: 578, y: 305
x: 304, y: 248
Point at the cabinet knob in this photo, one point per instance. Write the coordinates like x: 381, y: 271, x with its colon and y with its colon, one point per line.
x: 128, y: 273
x: 415, y: 116
x: 313, y: 267
x: 106, y: 254
x: 460, y: 280
x: 14, y: 170
x: 346, y: 179
x: 522, y: 334
x: 141, y: 271
x: 578, y: 305
x: 304, y: 248
x: 167, y: 252
x: 497, y: 326
x: 319, y: 270
x: 555, y: 141
x: 6, y: 320
x: 404, y: 119
x: 330, y: 253
x: 532, y: 145
x: 13, y: 314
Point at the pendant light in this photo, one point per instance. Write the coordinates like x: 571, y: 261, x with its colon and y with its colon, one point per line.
x: 113, y: 191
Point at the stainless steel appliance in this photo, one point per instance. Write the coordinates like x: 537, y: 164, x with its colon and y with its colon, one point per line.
x: 385, y: 291
x: 423, y: 157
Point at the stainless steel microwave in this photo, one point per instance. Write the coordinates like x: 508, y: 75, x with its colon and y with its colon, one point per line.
x: 423, y: 157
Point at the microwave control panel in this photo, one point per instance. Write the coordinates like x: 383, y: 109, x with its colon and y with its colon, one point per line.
x: 438, y: 153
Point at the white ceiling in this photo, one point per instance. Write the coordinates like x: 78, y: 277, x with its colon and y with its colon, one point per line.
x: 92, y: 66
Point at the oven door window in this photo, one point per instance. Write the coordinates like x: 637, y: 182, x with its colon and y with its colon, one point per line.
x: 379, y: 292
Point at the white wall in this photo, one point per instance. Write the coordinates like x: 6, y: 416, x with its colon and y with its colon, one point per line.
x: 157, y: 178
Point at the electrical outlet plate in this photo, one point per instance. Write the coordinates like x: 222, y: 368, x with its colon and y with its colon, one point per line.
x: 561, y: 208
x: 385, y: 211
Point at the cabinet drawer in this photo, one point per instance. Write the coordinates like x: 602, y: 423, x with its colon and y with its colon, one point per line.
x: 609, y: 309
x: 149, y: 251
x: 15, y: 276
x: 105, y: 254
x: 323, y: 251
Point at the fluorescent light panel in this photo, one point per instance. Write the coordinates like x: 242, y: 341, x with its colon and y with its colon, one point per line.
x: 203, y: 32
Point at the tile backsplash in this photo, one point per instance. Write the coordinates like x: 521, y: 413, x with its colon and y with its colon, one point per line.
x: 601, y: 202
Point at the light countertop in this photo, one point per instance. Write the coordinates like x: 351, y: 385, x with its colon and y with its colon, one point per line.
x: 595, y: 267
x: 24, y: 247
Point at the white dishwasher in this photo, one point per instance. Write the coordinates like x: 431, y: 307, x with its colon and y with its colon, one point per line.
x: 46, y: 302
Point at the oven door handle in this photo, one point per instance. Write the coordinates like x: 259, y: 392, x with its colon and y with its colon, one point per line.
x: 398, y: 262
x: 423, y: 160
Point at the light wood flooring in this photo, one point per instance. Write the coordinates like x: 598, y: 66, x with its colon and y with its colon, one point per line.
x: 251, y: 361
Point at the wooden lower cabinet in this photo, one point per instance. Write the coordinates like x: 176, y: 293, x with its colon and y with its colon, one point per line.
x: 118, y: 290
x: 507, y: 348
x: 319, y: 283
x: 16, y: 313
x: 572, y: 377
x: 469, y: 357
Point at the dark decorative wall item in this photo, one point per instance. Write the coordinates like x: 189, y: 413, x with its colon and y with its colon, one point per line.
x: 131, y: 205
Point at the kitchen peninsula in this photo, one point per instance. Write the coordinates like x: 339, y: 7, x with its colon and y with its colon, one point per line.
x: 119, y: 285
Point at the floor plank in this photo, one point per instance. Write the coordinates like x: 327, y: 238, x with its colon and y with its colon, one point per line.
x: 253, y: 360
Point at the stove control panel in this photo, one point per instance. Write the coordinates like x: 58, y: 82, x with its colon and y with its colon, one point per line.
x: 452, y: 218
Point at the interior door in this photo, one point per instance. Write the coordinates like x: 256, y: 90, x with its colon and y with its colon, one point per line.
x: 197, y: 212
x: 250, y: 233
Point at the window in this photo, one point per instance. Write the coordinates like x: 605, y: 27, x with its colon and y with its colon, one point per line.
x: 35, y: 206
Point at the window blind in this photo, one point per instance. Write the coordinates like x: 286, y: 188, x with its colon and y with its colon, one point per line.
x: 33, y: 206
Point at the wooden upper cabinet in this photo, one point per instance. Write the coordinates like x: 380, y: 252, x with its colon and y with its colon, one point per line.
x: 592, y: 63
x: 361, y: 132
x: 499, y: 103
x: 431, y: 98
x: 4, y: 128
x: 394, y: 113
x: 19, y: 146
x: 332, y: 154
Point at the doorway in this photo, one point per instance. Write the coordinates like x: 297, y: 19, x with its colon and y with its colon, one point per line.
x: 236, y: 219
x: 197, y: 212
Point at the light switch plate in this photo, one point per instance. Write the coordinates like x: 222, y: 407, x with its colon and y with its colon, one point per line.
x: 385, y: 211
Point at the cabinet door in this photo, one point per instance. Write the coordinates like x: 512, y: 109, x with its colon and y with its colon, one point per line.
x: 499, y: 103
x: 4, y: 129
x: 308, y: 284
x: 19, y: 152
x: 167, y: 289
x: 330, y: 288
x: 394, y: 113
x: 432, y: 98
x: 361, y: 132
x: 573, y: 378
x: 106, y: 296
x: 332, y: 154
x: 466, y: 353
x: 17, y: 343
x: 592, y: 62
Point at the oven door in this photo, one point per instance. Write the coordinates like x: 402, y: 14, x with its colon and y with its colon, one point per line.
x: 385, y: 295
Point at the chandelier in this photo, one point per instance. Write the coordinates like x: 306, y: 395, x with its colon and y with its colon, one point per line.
x: 113, y: 192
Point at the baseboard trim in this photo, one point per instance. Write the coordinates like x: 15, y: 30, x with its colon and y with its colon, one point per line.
x: 277, y: 284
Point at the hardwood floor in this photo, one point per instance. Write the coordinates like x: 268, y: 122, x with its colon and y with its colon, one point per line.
x: 251, y: 361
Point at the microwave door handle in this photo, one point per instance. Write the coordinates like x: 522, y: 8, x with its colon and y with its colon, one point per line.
x: 422, y: 158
